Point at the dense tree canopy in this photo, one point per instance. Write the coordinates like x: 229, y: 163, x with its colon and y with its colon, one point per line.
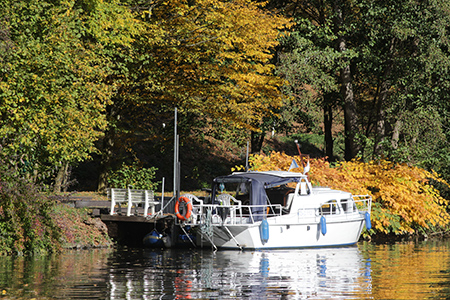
x: 215, y: 58
x: 78, y: 77
x: 397, y: 53
x: 211, y: 59
x: 53, y: 77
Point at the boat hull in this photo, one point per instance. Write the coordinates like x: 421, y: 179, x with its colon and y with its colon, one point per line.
x: 294, y: 235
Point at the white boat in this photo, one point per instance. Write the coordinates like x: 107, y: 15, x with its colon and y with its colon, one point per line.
x: 273, y: 209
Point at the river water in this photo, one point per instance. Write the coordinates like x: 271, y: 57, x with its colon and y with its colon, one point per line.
x: 364, y: 271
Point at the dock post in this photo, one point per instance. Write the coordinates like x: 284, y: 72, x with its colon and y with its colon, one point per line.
x: 130, y: 204
x: 162, y: 196
x: 146, y: 203
x: 113, y: 203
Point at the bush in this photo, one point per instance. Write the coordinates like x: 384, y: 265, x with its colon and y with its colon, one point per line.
x: 133, y: 176
x: 25, y: 222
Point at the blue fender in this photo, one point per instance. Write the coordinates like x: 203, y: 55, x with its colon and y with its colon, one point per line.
x: 367, y: 219
x: 323, y: 225
x: 264, y: 231
x: 153, y: 239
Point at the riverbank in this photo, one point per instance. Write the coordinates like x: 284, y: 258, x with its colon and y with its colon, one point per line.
x: 79, y: 230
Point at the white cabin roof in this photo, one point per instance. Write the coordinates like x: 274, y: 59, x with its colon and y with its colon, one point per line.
x: 283, y: 174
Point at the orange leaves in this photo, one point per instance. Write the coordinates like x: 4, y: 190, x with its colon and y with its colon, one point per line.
x: 402, y: 191
x: 404, y: 199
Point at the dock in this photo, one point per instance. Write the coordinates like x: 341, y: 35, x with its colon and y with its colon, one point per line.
x: 129, y: 226
x: 131, y: 230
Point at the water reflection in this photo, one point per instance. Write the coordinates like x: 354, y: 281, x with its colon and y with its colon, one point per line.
x: 410, y: 270
x: 294, y: 274
x: 73, y: 275
x: 399, y: 271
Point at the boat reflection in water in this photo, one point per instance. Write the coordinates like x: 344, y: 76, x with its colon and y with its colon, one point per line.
x: 278, y: 274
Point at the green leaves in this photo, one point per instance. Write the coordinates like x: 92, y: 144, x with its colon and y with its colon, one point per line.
x: 25, y: 222
x: 53, y: 85
x: 133, y: 176
x: 213, y: 58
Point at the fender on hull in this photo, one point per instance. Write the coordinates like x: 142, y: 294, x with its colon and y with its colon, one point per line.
x: 287, y: 235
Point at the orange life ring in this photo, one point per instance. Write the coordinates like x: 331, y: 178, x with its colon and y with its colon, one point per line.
x: 189, y: 208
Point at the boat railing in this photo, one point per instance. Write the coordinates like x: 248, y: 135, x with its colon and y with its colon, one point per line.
x: 359, y: 204
x: 255, y: 213
x: 363, y: 203
x: 218, y: 214
x: 329, y: 208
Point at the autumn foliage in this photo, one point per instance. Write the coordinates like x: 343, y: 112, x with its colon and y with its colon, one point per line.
x: 213, y: 57
x: 404, y: 200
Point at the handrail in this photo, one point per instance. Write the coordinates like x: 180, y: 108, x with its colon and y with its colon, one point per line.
x: 236, y: 213
x: 331, y: 204
x: 363, y: 202
x: 239, y: 214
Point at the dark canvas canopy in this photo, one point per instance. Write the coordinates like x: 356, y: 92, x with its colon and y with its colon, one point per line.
x: 258, y: 182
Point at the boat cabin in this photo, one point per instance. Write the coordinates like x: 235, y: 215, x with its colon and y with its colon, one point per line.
x: 262, y: 191
x: 272, y: 193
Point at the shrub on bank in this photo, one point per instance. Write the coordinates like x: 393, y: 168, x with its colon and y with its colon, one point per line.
x: 25, y: 222
x: 31, y: 222
x: 133, y: 176
x: 79, y: 229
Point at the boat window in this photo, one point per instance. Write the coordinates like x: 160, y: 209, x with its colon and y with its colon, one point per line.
x: 347, y: 205
x: 279, y: 195
x: 329, y: 208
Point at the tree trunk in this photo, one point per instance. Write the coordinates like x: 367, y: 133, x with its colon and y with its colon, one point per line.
x: 257, y: 139
x: 61, y: 177
x: 66, y: 182
x: 105, y: 166
x: 380, y: 127
x: 350, y: 115
x: 328, y: 125
x: 396, y: 134
x: 113, y: 116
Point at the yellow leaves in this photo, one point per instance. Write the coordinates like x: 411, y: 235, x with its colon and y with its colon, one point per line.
x: 404, y: 199
x: 216, y: 56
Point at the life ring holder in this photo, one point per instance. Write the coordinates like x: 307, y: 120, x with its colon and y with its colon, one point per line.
x: 189, y: 208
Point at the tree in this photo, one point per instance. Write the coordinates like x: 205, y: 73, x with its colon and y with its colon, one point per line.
x: 402, y: 71
x: 216, y: 58
x: 393, y: 70
x: 211, y: 59
x: 321, y: 46
x: 53, y: 78
x: 340, y: 27
x: 308, y: 66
